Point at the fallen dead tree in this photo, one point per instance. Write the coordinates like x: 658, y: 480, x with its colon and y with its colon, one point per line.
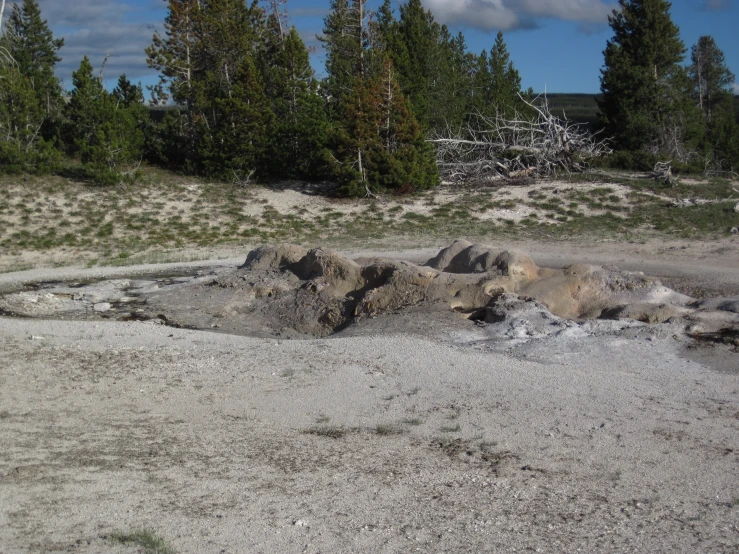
x: 489, y: 149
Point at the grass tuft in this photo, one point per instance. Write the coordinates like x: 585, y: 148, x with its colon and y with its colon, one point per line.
x: 144, y: 538
x: 330, y: 432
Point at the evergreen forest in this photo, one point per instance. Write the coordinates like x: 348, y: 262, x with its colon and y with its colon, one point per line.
x: 238, y: 101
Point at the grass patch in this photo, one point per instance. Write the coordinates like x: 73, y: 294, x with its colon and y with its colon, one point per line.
x: 385, y: 430
x: 451, y: 428
x: 329, y: 432
x: 143, y: 538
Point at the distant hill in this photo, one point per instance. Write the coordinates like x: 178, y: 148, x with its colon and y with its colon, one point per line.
x: 583, y: 108
x: 578, y: 107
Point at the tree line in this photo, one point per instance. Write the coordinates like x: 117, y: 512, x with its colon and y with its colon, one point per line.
x: 244, y: 103
x: 653, y: 105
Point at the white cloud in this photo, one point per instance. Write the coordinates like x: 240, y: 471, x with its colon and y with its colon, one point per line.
x: 516, y: 14
x: 93, y: 28
x: 479, y: 14
x: 735, y: 86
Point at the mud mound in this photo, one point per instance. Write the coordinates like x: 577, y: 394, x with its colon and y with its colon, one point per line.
x: 464, y: 257
x: 273, y: 258
x: 288, y: 291
x: 319, y: 292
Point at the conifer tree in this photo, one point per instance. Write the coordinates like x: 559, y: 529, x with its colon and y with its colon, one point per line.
x: 32, y: 45
x: 22, y: 148
x: 100, y: 129
x: 376, y: 141
x: 207, y: 64
x: 644, y: 94
x: 711, y: 80
x: 479, y: 86
x: 711, y: 76
x: 505, y: 80
x: 408, y: 162
x: 301, y: 126
x: 240, y: 144
x: 452, y: 84
x: 380, y: 145
x: 344, y: 37
x: 176, y: 55
x: 413, y: 60
x: 386, y: 32
x: 131, y: 98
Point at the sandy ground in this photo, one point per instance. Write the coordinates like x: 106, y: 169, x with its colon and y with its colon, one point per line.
x: 388, y: 442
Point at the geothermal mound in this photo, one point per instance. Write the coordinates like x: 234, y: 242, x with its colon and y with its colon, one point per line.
x: 318, y: 292
x: 287, y: 291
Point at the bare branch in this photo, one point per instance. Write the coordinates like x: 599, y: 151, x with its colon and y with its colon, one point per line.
x: 102, y: 67
x: 2, y: 11
x: 241, y: 180
x: 491, y: 148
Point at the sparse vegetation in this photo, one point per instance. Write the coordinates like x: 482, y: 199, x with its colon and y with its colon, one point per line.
x: 330, y: 432
x: 389, y: 429
x: 451, y: 428
x: 170, y: 218
x: 147, y: 539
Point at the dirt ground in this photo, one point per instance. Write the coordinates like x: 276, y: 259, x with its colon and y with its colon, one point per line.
x: 405, y: 435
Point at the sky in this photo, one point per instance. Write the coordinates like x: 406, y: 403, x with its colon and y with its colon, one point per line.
x: 557, y: 45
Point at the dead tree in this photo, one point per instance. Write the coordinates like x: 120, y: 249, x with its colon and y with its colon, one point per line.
x: 662, y: 172
x: 495, y: 148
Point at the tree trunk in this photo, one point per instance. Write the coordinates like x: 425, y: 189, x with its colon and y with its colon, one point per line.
x: 700, y: 83
x: 275, y: 4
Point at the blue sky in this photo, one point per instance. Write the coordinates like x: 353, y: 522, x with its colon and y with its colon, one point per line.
x: 556, y: 45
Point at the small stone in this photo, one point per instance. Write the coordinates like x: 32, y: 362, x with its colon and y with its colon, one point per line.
x: 34, y: 337
x: 300, y: 523
x: 735, y: 230
x: 102, y: 307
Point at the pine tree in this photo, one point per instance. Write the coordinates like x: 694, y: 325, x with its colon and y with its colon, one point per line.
x: 479, y: 85
x: 100, y: 129
x: 240, y: 145
x: 416, y: 30
x: 34, y: 49
x: 301, y: 126
x: 177, y: 57
x: 22, y: 148
x: 452, y: 85
x: 207, y: 64
x: 131, y: 98
x: 380, y: 145
x: 710, y: 75
x: 32, y: 46
x: 505, y: 80
x: 386, y: 32
x: 711, y: 80
x: 408, y: 163
x: 643, y: 104
x: 345, y: 34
